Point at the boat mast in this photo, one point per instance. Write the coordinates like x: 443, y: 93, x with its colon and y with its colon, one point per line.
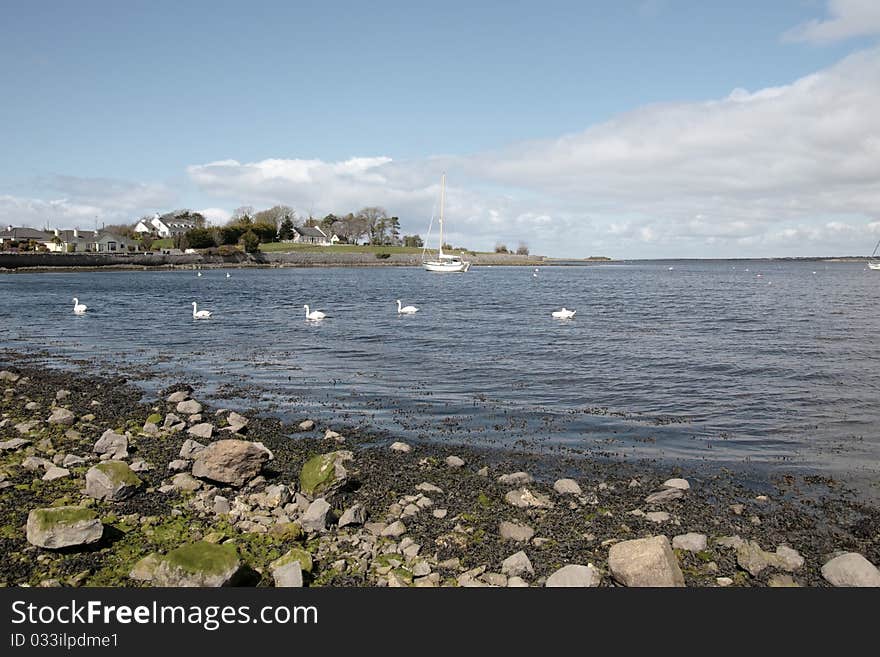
x: 442, y: 202
x: 872, y: 254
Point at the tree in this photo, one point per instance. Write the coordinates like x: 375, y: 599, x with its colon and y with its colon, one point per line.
x: 250, y: 241
x: 374, y: 219
x: 123, y: 230
x: 285, y: 232
x: 393, y: 225
x: 501, y: 248
x: 522, y: 249
x: 198, y: 238
x: 413, y: 241
x: 146, y: 241
x: 243, y: 215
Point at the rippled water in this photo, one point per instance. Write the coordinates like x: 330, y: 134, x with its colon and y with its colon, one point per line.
x: 761, y: 362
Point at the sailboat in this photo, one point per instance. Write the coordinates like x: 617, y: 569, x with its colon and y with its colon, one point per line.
x: 874, y: 265
x: 444, y: 262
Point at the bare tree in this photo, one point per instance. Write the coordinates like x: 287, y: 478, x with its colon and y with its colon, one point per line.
x: 375, y: 218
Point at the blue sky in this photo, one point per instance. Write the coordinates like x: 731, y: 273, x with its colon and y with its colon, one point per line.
x: 632, y: 129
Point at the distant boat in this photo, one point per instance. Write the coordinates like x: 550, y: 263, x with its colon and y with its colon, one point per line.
x: 874, y: 265
x: 444, y: 262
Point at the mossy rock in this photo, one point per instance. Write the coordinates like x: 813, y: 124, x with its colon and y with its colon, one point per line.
x: 63, y: 526
x: 287, y: 531
x: 112, y: 481
x: 155, y: 418
x: 295, y: 554
x: 198, y: 564
x: 324, y: 472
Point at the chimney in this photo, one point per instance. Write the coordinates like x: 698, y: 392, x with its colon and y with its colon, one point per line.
x: 56, y: 232
x: 76, y: 232
x: 9, y: 228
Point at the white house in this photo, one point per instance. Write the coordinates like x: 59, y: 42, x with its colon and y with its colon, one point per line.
x: 170, y: 224
x: 87, y: 241
x: 22, y: 234
x: 310, y: 235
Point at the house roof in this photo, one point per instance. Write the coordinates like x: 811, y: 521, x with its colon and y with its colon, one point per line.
x: 82, y: 236
x: 23, y: 233
x: 310, y: 231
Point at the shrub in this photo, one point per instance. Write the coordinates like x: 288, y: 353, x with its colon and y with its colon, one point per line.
x: 383, y: 256
x: 251, y: 242
x: 501, y: 248
x: 522, y: 249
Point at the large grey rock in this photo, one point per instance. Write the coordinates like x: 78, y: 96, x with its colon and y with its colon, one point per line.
x: 517, y: 564
x: 236, y: 422
x: 112, y: 481
x: 198, y: 564
x: 202, y: 430
x: 288, y: 575
x: 851, y: 569
x: 112, y: 444
x: 515, y: 532
x: 63, y: 526
x: 400, y: 447
x: 189, y: 407
x: 574, y: 575
x: 692, y: 542
x: 567, y: 487
x: 230, y: 461
x: 15, y: 443
x: 171, y: 420
x: 54, y: 472
x: 315, y: 517
x: 395, y: 529
x: 515, y: 479
x: 34, y: 463
x: 177, y: 397
x: 680, y: 484
x: 62, y: 416
x: 753, y: 559
x: 645, y: 562
x: 454, y: 461
x: 524, y: 497
x: 8, y: 376
x: 184, y: 481
x: 354, y: 515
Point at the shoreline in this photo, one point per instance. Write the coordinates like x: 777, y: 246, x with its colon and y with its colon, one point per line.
x: 422, y: 514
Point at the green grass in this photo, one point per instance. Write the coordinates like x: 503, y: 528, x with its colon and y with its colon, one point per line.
x: 273, y: 247
x: 167, y: 243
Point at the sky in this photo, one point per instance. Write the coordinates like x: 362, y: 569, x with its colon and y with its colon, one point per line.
x: 628, y: 129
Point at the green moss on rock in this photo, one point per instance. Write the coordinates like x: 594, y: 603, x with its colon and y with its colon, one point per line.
x: 205, y: 558
x: 295, y: 554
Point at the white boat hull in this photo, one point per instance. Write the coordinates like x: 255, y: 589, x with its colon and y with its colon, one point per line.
x: 874, y: 265
x: 447, y: 267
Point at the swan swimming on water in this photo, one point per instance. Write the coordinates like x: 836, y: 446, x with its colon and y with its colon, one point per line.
x: 198, y: 273
x: 314, y: 315
x: 200, y: 314
x: 564, y: 313
x: 228, y: 275
x: 79, y: 308
x: 408, y: 310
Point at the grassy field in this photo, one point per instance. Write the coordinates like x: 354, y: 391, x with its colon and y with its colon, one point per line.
x: 275, y: 247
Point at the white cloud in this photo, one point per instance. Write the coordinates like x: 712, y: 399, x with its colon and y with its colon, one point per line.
x: 215, y: 216
x: 732, y: 176
x: 848, y: 18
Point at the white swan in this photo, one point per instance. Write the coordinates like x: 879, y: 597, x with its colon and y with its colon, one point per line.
x: 198, y: 273
x: 409, y: 310
x: 228, y: 275
x: 563, y: 314
x: 79, y: 308
x: 314, y: 315
x: 200, y: 314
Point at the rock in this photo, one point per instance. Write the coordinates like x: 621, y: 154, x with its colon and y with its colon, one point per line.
x: 190, y: 449
x: 787, y: 558
x: 229, y: 461
x: 202, y: 430
x: 221, y: 505
x: 516, y: 582
x: 574, y: 575
x: 353, y: 515
x: 645, y: 562
x: 400, y: 447
x: 236, y: 422
x: 72, y: 459
x: 483, y: 472
x: 753, y: 559
x: 657, y: 516
x: 428, y: 488
x: 198, y: 564
x: 62, y: 416
x: 62, y: 394
x: 34, y: 463
x: 666, y: 495
x: 114, y: 445
x: 737, y: 508
x: 177, y: 397
x: 334, y: 436
x: 523, y: 497
x: 395, y: 529
x: 55, y: 473
x: 723, y: 581
x: 189, y: 407
x: 288, y: 575
x: 567, y: 487
x: 150, y: 429
x: 782, y: 581
x: 729, y: 541
x: 63, y: 526
x: 8, y: 376
x: 277, y: 495
x: 515, y: 479
x: 112, y: 481
x: 185, y: 481
x: 691, y: 542
x: 171, y: 420
x: 15, y: 443
x: 439, y: 513
x: 679, y: 484
x: 315, y: 517
x: 515, y: 532
x: 144, y: 569
x: 851, y: 569
x: 324, y: 473
x: 517, y: 564
x: 177, y: 465
x: 454, y: 462
x: 306, y: 425
x: 139, y: 465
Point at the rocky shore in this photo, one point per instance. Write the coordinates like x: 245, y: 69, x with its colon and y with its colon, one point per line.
x: 100, y: 488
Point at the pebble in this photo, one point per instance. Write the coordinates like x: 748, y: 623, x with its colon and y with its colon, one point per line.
x: 400, y: 447
x: 567, y: 487
x: 454, y: 461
